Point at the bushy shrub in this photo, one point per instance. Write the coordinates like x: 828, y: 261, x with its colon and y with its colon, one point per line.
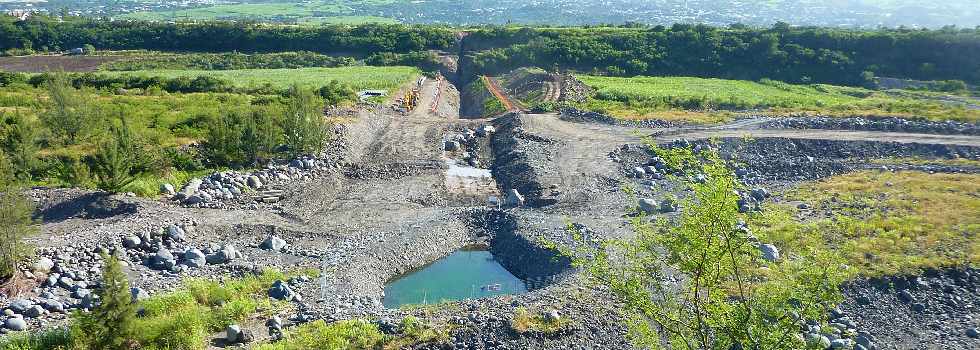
x: 336, y: 93
x: 305, y: 129
x: 110, y: 325
x: 241, y: 137
x: 21, y: 145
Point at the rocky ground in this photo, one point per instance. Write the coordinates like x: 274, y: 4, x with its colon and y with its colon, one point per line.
x: 398, y: 191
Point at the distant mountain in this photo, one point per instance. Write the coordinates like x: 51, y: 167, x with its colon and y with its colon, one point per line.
x: 835, y: 13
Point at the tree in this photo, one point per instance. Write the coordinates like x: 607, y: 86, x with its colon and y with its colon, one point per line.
x: 305, y: 129
x: 15, y: 225
x: 335, y: 93
x: 723, y: 298
x: 113, y: 164
x: 66, y: 116
x: 21, y: 146
x: 110, y: 325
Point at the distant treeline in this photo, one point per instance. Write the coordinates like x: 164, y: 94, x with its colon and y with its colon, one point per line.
x: 800, y: 55
x: 782, y: 52
x: 229, y: 61
x: 49, y: 34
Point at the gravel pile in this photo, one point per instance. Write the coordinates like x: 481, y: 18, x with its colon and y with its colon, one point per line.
x: 890, y: 124
x: 579, y: 116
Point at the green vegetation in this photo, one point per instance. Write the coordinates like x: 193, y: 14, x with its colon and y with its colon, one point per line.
x: 730, y: 297
x: 132, y: 132
x: 111, y: 323
x: 882, y: 223
x: 182, y: 319
x: 708, y: 100
x: 526, y: 322
x: 360, y: 78
x: 226, y: 61
x: 357, y: 334
x: 15, y: 225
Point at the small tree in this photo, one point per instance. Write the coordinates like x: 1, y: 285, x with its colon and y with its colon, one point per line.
x: 110, y: 325
x: 335, y: 93
x: 113, y: 164
x: 15, y: 225
x: 304, y: 126
x: 723, y: 298
x: 67, y: 114
x: 21, y: 146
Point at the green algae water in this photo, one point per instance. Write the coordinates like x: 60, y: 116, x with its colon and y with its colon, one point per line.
x: 465, y: 274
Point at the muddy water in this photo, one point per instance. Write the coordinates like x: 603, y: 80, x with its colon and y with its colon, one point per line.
x: 465, y: 274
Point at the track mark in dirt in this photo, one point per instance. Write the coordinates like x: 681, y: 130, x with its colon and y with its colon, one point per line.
x: 495, y: 90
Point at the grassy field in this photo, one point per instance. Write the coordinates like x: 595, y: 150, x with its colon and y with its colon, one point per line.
x: 316, y: 12
x: 661, y: 97
x: 362, y: 77
x: 883, y: 223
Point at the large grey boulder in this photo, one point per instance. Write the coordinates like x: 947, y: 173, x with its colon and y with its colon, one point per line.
x: 233, y: 334
x: 194, y: 257
x: 281, y: 291
x: 44, y: 265
x: 34, y: 311
x: 226, y: 254
x: 769, y: 252
x: 176, y: 233
x: 138, y: 294
x: 648, y: 206
x: 16, y: 324
x: 53, y: 305
x: 167, y: 189
x: 451, y: 146
x: 190, y: 188
x: 163, y: 259
x: 20, y: 305
x: 131, y: 242
x: 274, y: 243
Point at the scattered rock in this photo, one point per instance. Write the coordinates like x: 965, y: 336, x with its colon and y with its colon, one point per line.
x: 514, y: 199
x: 281, y: 291
x: 167, y: 189
x: 273, y: 243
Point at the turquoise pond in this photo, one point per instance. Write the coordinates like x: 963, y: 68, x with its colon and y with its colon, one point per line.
x: 465, y: 274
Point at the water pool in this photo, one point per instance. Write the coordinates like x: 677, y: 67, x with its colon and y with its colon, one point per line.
x: 465, y: 274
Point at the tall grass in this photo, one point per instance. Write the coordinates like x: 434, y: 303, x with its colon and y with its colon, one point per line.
x: 361, y: 77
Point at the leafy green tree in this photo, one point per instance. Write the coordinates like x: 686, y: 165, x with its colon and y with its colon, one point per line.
x: 15, y: 225
x: 21, y: 146
x: 110, y: 325
x: 114, y: 163
x: 336, y: 93
x: 67, y: 115
x: 305, y: 129
x: 72, y: 171
x: 726, y: 297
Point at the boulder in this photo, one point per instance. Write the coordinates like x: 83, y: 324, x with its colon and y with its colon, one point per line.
x: 233, y: 334
x: 190, y: 188
x: 34, y: 311
x: 43, y: 265
x: 273, y: 243
x: 485, y: 130
x: 514, y: 199
x: 281, y: 291
x: 20, y: 306
x: 552, y: 316
x: 163, y: 259
x: 638, y: 172
x: 769, y: 252
x: 176, y: 233
x: 451, y: 146
x: 226, y: 254
x: 167, y: 189
x: 648, y: 206
x: 131, y: 242
x: 138, y: 294
x: 16, y: 324
x: 759, y: 194
x: 973, y: 333
x: 194, y: 257
x: 54, y: 306
x: 254, y: 182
